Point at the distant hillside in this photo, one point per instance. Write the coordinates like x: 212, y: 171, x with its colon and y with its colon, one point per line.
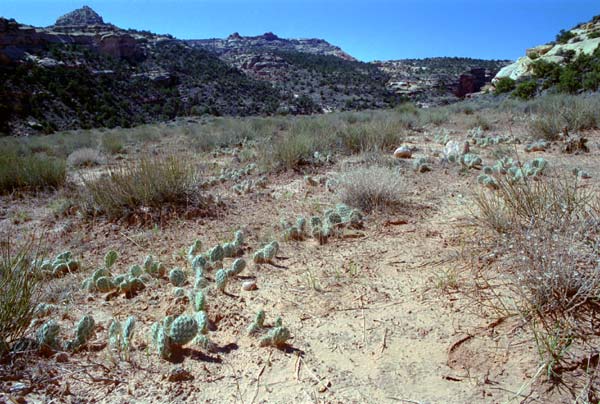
x: 439, y: 80
x: 570, y: 63
x: 84, y: 72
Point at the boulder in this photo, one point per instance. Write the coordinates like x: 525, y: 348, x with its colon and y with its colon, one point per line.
x: 403, y: 152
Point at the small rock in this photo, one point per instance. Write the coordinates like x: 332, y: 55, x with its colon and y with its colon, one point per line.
x: 403, y: 152
x: 179, y: 375
x: 249, y: 285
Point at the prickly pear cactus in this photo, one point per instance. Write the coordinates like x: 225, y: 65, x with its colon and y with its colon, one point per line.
x: 128, y: 329
x: 221, y: 279
x: 47, y: 335
x: 115, y: 335
x: 216, y: 253
x: 199, y: 262
x: 83, y: 333
x: 202, y: 320
x: 259, y: 257
x: 258, y: 323
x: 177, y: 277
x: 199, y: 301
x: 183, y: 330
x: 136, y: 271
x: 100, y: 273
x: 276, y: 337
x: 237, y: 267
x: 195, y: 250
x: 110, y: 258
x: 163, y: 346
x: 421, y: 165
x: 105, y: 284
x: 203, y: 342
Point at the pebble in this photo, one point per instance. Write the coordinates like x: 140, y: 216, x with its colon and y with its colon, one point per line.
x: 249, y: 285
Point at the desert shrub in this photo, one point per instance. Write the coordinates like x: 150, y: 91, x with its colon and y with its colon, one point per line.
x: 436, y: 116
x: 504, y: 85
x: 112, y: 143
x: 552, y: 113
x: 30, y: 172
x: 371, y: 188
x: 19, y: 281
x: 544, y: 268
x: 564, y: 36
x: 151, y: 184
x: 525, y: 90
x: 86, y: 157
x: 515, y: 205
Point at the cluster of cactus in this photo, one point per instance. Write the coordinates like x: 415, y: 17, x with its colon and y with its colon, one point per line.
x: 490, y: 140
x: 83, y: 333
x: 47, y: 336
x: 267, y: 253
x: 537, y: 145
x: 61, y: 264
x: 422, y: 165
x: 333, y: 219
x: 470, y: 160
x: 276, y: 336
x: 442, y: 137
x: 512, y: 170
x: 236, y: 175
x: 129, y: 283
x: 213, y: 258
x: 120, y: 336
x: 223, y: 275
x: 229, y: 174
x: 320, y: 159
x: 296, y: 231
x: 581, y: 174
x: 475, y: 133
x: 248, y: 186
x: 172, y: 333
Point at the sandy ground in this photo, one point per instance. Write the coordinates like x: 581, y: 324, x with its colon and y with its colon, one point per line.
x: 374, y: 314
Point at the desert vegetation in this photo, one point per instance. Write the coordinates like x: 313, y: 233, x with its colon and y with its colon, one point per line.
x: 234, y: 252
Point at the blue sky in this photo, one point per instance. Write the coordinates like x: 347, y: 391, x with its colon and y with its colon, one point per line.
x: 367, y: 29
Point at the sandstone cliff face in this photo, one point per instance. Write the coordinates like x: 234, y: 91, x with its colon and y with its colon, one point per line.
x: 583, y: 40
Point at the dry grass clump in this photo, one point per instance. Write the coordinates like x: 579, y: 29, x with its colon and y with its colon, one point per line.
x: 150, y: 186
x: 86, y: 157
x: 553, y: 113
x: 544, y: 237
x: 372, y: 188
x: 30, y: 172
x: 19, y: 281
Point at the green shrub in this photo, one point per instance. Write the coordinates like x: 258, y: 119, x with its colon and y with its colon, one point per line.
x: 31, y: 172
x: 151, y: 184
x: 564, y: 36
x: 504, y: 85
x: 526, y: 90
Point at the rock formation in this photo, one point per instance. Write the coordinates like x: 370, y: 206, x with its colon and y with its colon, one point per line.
x: 584, y: 39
